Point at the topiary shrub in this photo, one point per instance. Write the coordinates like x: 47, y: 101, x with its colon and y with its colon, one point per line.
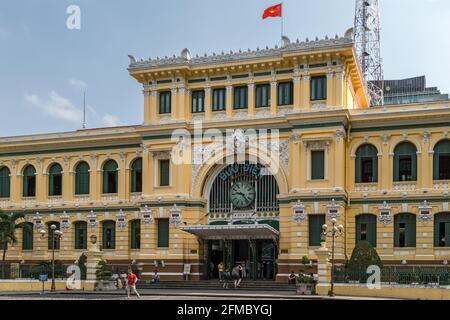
x: 103, y: 273
x: 363, y: 256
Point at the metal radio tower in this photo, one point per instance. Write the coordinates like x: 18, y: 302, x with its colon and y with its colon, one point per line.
x: 367, y: 41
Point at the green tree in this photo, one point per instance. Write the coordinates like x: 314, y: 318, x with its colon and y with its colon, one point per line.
x: 9, y: 224
x: 103, y: 272
x: 363, y: 256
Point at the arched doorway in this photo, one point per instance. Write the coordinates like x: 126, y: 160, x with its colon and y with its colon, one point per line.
x: 243, y: 220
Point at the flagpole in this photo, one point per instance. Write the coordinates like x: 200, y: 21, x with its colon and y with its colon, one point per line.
x: 282, y: 22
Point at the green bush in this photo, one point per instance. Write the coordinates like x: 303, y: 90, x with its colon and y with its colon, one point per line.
x: 103, y: 273
x: 363, y: 256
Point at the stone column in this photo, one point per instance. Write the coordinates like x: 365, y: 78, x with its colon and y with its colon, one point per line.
x: 251, y: 98
x: 175, y: 104
x: 339, y: 89
x: 229, y: 100
x: 297, y: 92
x: 305, y: 96
x: 330, y: 89
x: 323, y: 270
x: 273, y: 97
x: 208, y: 103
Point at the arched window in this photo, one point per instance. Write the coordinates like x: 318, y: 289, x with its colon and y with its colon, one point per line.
x: 109, y: 235
x: 82, y: 179
x: 53, y: 242
x: 441, y: 165
x: 5, y: 182
x: 405, y: 230
x: 110, y: 177
x: 366, y: 229
x: 135, y: 234
x: 405, y: 162
x: 29, y: 182
x: 80, y: 235
x: 55, y: 180
x: 136, y: 176
x: 442, y: 230
x: 27, y: 236
x: 366, y: 164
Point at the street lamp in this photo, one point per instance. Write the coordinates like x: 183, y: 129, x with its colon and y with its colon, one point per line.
x: 335, y: 232
x: 54, y: 236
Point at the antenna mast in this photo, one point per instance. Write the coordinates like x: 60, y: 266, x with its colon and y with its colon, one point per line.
x: 367, y: 31
x: 84, y: 110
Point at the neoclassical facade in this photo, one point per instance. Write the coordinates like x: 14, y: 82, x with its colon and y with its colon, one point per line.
x: 382, y: 172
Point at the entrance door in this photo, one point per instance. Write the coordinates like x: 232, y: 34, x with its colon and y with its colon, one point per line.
x: 216, y: 257
x: 266, y: 260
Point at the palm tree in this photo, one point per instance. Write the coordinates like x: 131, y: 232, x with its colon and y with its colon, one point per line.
x: 8, y: 226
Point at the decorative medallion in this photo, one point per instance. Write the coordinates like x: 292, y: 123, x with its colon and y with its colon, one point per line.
x: 147, y: 217
x: 425, y: 213
x: 65, y: 221
x: 175, y: 215
x: 385, y: 217
x: 333, y: 211
x: 121, y: 220
x: 38, y: 222
x: 299, y: 212
x: 92, y: 219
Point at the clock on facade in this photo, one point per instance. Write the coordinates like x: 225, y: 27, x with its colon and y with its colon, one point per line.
x: 242, y: 194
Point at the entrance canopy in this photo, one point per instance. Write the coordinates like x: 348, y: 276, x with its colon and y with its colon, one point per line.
x: 233, y: 232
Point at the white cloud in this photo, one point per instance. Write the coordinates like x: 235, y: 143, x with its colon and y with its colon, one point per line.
x: 79, y: 84
x: 57, y: 107
x: 110, y: 120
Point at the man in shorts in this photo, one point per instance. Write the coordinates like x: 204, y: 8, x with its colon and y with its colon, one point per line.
x: 131, y: 284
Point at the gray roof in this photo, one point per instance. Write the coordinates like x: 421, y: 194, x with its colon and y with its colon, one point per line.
x: 288, y: 47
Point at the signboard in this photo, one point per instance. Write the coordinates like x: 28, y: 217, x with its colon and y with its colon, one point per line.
x: 43, y: 278
x: 187, y: 269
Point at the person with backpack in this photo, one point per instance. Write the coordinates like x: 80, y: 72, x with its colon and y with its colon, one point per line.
x: 236, y: 273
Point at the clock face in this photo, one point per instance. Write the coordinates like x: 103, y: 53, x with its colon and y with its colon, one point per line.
x: 242, y: 194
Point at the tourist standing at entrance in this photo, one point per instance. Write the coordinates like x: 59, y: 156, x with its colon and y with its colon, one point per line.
x: 132, y: 280
x: 221, y: 268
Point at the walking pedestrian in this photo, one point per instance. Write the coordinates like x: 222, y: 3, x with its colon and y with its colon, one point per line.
x: 221, y: 268
x: 131, y: 286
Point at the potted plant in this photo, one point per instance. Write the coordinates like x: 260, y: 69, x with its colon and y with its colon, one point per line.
x: 306, y: 285
x: 104, y: 277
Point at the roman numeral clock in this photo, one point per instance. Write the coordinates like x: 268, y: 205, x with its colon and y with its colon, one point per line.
x: 242, y: 194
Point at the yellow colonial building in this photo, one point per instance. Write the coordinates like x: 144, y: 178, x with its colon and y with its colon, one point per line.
x: 242, y: 157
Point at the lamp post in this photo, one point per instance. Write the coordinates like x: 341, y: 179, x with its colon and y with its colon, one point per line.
x: 335, y: 232
x: 54, y: 236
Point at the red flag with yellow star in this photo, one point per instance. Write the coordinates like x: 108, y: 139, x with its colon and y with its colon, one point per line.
x: 274, y: 11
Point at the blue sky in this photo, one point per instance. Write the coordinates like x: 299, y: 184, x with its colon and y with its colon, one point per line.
x: 44, y: 66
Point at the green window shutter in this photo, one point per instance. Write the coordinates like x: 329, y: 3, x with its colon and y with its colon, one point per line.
x: 436, y: 166
x: 81, y: 235
x: 219, y: 99
x: 55, y: 180
x: 5, y: 188
x: 375, y: 168
x: 411, y: 231
x: 136, y: 176
x: 163, y: 233
x: 27, y: 238
x: 198, y: 101
x: 396, y: 168
x: 285, y: 93
x: 318, y: 165
x: 240, y: 98
x: 109, y: 235
x: 164, y: 173
x: 358, y: 177
x: 371, y: 222
x: 319, y: 88
x: 136, y: 234
x: 262, y: 95
x: 315, y: 229
x: 29, y: 182
x: 442, y: 230
x: 82, y: 179
x: 110, y: 177
x: 165, y: 102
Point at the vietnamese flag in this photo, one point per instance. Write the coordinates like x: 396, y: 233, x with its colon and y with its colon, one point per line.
x: 274, y: 11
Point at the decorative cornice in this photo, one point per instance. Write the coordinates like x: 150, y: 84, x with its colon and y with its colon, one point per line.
x: 238, y: 56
